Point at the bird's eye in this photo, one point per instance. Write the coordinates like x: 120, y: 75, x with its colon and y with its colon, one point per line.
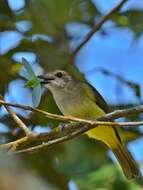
x: 59, y: 74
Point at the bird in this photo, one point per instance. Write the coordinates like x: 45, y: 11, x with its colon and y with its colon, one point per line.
x: 80, y: 99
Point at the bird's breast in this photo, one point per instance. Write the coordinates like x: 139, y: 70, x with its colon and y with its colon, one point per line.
x: 77, y: 106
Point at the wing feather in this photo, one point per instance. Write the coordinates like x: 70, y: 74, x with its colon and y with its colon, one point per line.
x: 93, y: 94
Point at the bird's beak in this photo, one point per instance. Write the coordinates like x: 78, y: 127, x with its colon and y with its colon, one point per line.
x: 45, y: 79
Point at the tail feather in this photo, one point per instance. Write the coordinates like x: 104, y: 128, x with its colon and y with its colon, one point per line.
x: 126, y: 161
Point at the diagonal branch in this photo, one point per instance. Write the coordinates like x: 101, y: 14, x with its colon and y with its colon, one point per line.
x: 72, y: 133
x: 97, y: 26
x: 17, y: 120
x: 54, y: 141
x: 60, y: 134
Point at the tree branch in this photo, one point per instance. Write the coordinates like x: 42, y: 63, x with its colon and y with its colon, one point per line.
x: 61, y: 134
x: 17, y: 120
x: 80, y: 129
x: 97, y: 26
x: 110, y: 116
x: 54, y: 141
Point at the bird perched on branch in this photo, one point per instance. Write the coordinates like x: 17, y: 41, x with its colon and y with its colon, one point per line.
x: 80, y: 99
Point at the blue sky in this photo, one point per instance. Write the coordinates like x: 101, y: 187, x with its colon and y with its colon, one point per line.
x: 117, y: 53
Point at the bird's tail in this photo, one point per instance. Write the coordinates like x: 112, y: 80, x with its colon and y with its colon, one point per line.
x: 126, y: 161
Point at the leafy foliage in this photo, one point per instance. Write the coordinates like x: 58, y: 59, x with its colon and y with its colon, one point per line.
x: 132, y: 20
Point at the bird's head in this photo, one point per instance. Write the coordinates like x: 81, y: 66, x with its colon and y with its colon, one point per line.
x: 58, y: 79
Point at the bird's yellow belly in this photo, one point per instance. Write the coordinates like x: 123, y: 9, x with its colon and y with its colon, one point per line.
x: 103, y: 133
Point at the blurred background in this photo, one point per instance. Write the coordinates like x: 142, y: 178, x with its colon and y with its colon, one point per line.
x: 46, y: 32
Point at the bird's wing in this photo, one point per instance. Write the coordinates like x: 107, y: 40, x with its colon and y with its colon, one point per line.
x: 93, y: 94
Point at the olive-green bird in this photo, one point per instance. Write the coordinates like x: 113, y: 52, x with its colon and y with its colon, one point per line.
x: 80, y: 99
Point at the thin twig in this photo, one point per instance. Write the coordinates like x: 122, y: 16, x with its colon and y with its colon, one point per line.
x: 52, y: 142
x: 110, y: 116
x: 122, y: 113
x: 97, y: 26
x: 17, y: 120
x: 49, y: 115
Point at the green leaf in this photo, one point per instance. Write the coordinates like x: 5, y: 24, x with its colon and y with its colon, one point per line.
x: 131, y: 19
